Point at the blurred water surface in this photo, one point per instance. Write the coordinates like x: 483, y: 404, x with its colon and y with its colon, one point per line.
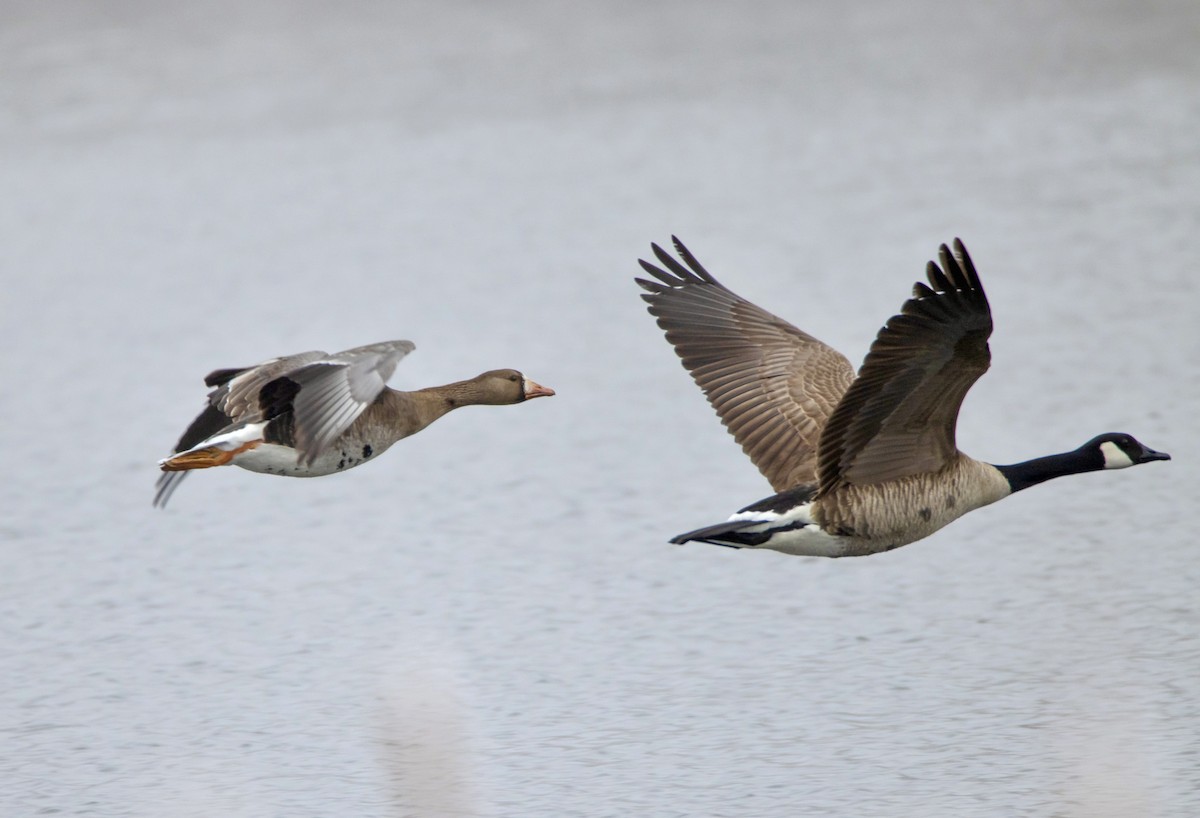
x: 488, y: 621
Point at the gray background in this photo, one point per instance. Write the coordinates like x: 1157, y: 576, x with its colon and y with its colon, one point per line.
x: 489, y: 621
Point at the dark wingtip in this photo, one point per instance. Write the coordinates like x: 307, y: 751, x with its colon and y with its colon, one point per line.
x: 220, y: 377
x: 956, y: 272
x: 689, y: 259
x: 668, y: 280
x: 690, y: 272
x: 968, y: 266
x: 949, y: 266
x: 936, y: 276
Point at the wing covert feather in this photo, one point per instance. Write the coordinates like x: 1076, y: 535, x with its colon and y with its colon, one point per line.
x: 335, y: 390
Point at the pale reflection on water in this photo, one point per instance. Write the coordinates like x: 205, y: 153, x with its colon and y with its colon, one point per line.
x: 488, y: 621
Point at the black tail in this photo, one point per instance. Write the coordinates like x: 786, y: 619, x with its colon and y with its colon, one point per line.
x: 733, y: 534
x: 778, y: 515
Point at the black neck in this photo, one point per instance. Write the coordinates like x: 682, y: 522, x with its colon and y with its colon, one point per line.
x: 1040, y: 469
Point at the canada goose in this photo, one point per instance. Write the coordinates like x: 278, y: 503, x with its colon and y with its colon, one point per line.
x: 313, y: 414
x: 864, y: 464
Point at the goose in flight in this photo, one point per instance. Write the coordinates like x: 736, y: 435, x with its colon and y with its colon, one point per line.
x: 313, y: 414
x: 864, y: 463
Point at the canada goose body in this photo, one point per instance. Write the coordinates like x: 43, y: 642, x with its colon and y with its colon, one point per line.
x: 314, y: 414
x: 864, y: 463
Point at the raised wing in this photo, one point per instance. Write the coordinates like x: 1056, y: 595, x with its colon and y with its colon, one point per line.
x: 239, y: 392
x: 772, y: 385
x: 898, y: 417
x: 334, y: 391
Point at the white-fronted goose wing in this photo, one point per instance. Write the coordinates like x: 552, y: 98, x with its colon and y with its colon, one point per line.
x: 329, y: 394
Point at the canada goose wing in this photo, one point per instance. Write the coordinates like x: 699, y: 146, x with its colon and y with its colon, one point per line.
x: 898, y: 417
x: 328, y: 394
x: 772, y: 385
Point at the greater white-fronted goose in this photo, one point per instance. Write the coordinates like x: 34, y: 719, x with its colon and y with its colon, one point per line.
x: 862, y: 464
x: 314, y: 414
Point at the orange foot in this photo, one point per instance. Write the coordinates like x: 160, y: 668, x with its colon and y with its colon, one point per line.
x: 205, y: 458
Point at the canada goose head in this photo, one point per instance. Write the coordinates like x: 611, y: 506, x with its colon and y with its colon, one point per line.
x: 1118, y: 450
x: 1112, y: 450
x: 504, y: 386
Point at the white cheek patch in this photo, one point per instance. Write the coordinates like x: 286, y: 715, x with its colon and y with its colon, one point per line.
x: 1114, y: 458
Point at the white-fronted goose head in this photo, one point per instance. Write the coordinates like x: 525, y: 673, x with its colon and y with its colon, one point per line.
x: 862, y: 463
x: 498, y: 387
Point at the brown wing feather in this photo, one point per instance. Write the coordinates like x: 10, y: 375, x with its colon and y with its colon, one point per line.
x: 772, y: 385
x: 898, y: 417
x: 238, y: 397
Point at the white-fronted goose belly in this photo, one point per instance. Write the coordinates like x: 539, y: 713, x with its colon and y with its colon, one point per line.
x: 314, y: 414
x: 862, y: 464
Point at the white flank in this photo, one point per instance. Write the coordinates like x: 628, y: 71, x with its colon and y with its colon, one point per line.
x: 235, y: 439
x: 809, y: 540
x: 795, y: 513
x: 229, y: 441
x: 272, y: 459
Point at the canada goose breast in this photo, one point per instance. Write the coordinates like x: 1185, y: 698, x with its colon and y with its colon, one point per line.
x: 887, y: 515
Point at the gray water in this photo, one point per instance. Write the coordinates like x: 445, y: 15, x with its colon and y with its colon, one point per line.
x: 488, y: 620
